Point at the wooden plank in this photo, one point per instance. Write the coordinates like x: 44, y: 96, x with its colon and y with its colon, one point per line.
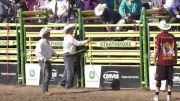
x: 8, y: 42
x: 112, y: 25
x: 5, y: 33
x: 110, y: 34
x: 90, y: 18
x: 88, y: 13
x: 34, y: 18
x: 113, y: 52
x: 37, y: 12
x: 112, y: 60
x: 10, y: 50
x: 115, y: 44
x: 9, y: 57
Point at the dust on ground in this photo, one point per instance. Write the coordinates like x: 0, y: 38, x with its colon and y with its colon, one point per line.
x: 32, y: 93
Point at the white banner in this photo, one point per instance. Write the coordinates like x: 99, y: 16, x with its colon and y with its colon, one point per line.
x: 152, y: 81
x: 32, y: 74
x: 92, y: 76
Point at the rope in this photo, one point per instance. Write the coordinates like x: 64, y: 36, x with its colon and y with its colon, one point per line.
x: 90, y: 62
x: 7, y: 47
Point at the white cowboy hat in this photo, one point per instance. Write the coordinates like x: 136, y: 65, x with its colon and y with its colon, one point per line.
x: 68, y: 26
x: 99, y: 9
x: 163, y: 25
x: 44, y: 31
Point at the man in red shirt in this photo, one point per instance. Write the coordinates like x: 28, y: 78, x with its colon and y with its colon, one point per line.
x: 164, y: 58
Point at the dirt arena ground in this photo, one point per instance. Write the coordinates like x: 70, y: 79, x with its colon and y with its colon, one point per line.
x: 27, y: 93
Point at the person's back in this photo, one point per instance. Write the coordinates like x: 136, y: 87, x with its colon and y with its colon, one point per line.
x: 165, y: 44
x: 111, y: 16
x: 165, y: 56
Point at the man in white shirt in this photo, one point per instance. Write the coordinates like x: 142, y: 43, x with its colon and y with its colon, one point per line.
x: 69, y: 48
x: 44, y: 51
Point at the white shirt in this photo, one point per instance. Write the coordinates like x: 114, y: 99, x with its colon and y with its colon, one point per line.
x: 70, y: 43
x: 62, y: 6
x: 168, y: 5
x: 44, y: 50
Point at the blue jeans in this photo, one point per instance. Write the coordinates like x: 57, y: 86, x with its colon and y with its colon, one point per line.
x: 68, y: 75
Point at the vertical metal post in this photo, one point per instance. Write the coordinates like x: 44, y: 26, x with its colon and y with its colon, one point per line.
x: 141, y: 54
x: 22, y: 51
x: 145, y: 49
x: 18, y: 54
x: 81, y: 37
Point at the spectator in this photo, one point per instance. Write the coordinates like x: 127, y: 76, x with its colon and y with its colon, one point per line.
x: 89, y: 4
x: 126, y: 20
x: 130, y: 7
x: 165, y: 57
x: 86, y: 4
x: 108, y: 16
x: 94, y: 3
x: 158, y: 3
x: 42, y: 2
x: 31, y: 4
x: 5, y: 10
x: 147, y: 4
x: 168, y: 4
x: 175, y: 12
x: 59, y: 9
x: 109, y: 3
x: 23, y: 5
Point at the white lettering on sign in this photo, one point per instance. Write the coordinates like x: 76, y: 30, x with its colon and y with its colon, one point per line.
x: 129, y: 77
x: 111, y: 76
x: 8, y: 73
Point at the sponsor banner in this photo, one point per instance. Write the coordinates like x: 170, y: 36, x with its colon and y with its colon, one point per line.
x: 117, y: 77
x: 118, y: 43
x: 8, y: 74
x: 92, y: 76
x: 32, y: 74
x: 152, y: 81
x: 176, y: 79
x: 57, y: 74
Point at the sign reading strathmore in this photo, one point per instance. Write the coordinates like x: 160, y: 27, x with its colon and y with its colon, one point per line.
x: 118, y: 43
x: 92, y: 76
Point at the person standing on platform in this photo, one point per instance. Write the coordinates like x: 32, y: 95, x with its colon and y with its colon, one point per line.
x: 44, y: 52
x: 164, y: 58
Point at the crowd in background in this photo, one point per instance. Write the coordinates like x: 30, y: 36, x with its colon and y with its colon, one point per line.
x: 62, y: 10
